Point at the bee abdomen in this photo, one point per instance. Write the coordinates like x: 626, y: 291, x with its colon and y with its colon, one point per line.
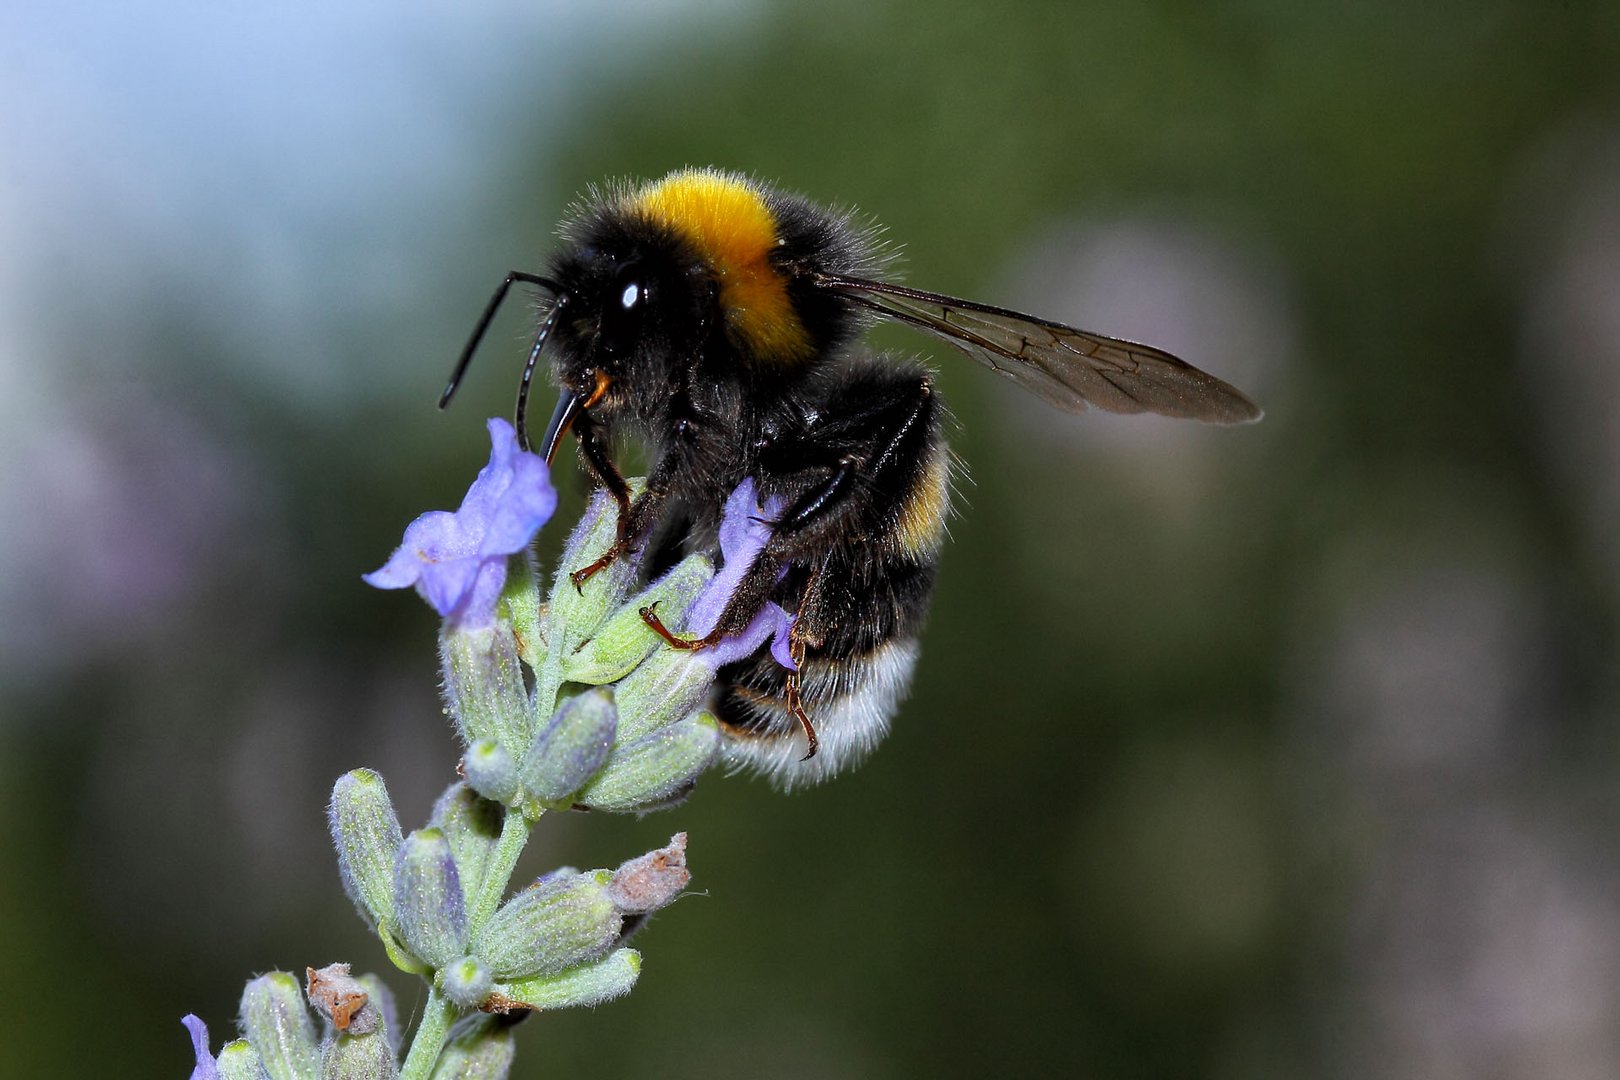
x: 850, y: 701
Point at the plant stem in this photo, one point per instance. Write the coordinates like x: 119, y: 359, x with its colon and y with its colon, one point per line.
x: 429, y: 1039
x: 439, y: 1013
x: 498, y: 873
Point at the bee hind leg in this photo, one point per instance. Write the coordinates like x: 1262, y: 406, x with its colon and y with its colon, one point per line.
x: 793, y: 697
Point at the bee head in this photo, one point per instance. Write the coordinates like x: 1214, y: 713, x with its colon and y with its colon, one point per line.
x: 631, y: 319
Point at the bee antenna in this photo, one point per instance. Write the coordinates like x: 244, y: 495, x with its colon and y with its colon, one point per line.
x: 483, y: 325
x: 521, y: 420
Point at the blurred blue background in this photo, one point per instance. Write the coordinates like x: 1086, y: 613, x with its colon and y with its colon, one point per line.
x: 1280, y: 751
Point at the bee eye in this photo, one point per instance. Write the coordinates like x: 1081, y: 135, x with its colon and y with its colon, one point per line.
x: 624, y: 311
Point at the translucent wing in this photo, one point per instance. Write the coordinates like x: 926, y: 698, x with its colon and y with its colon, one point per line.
x: 1069, y: 368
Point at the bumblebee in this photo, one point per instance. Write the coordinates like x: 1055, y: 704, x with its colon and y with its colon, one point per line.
x: 716, y: 319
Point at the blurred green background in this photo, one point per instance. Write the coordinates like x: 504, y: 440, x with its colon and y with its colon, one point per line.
x: 1281, y: 751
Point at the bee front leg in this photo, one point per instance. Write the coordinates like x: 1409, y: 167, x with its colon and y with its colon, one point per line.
x: 636, y: 517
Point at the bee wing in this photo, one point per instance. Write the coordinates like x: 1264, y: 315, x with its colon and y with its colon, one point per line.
x: 1069, y: 368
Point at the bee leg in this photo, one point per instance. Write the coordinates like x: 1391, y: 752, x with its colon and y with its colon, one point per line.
x: 794, y: 699
x: 611, y: 555
x: 587, y: 435
x: 635, y: 518
x: 898, y: 420
x: 649, y: 615
x: 795, y: 708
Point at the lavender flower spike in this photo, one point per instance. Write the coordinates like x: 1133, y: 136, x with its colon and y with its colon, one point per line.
x: 745, y: 528
x: 458, y: 561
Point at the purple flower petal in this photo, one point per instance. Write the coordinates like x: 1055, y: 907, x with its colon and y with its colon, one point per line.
x: 781, y: 643
x: 745, y: 526
x: 526, y: 502
x: 206, y: 1068
x: 457, y: 561
x: 745, y: 529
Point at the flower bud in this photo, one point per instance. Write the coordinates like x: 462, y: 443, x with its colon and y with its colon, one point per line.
x: 466, y: 982
x: 382, y: 999
x: 520, y: 606
x: 483, y: 1051
x: 663, y: 688
x: 472, y: 824
x: 625, y: 639
x: 366, y: 832
x: 357, y: 1057
x: 483, y: 683
x: 554, y: 924
x: 430, y: 913
x: 489, y: 771
x: 279, y: 1027
x: 239, y: 1061
x: 589, y: 984
x: 572, y: 747
x: 655, y: 768
x: 649, y: 882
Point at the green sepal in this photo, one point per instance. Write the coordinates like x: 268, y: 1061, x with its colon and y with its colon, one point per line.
x: 483, y: 1050
x: 520, y: 606
x: 483, y: 684
x: 366, y: 832
x: 472, y: 824
x: 399, y: 955
x: 625, y: 639
x: 572, y: 747
x: 489, y: 771
x: 590, y: 984
x: 649, y: 772
x: 573, y: 614
x: 239, y: 1061
x: 382, y: 998
x: 576, y: 613
x: 560, y: 921
x: 430, y: 911
x: 466, y: 981
x: 358, y: 1057
x: 279, y: 1027
x: 664, y: 688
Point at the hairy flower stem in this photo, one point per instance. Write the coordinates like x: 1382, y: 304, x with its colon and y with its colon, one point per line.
x: 428, y: 1042
x: 498, y: 874
x: 548, y: 679
x: 537, y: 690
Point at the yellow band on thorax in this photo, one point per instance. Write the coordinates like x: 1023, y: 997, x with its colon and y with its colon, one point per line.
x: 723, y: 216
